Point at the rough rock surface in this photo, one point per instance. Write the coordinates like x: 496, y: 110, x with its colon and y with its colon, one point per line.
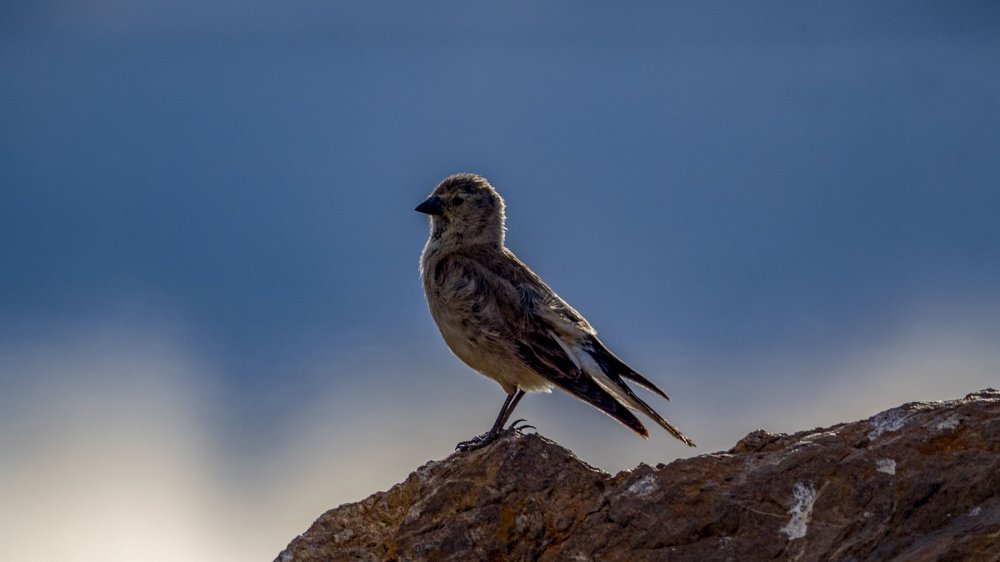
x: 917, y: 482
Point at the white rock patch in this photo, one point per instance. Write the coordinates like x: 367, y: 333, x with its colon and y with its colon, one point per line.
x: 951, y: 422
x: 643, y: 486
x: 804, y: 495
x: 889, y: 420
x: 887, y: 466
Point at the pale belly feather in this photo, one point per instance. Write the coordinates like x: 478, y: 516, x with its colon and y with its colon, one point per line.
x: 489, y: 357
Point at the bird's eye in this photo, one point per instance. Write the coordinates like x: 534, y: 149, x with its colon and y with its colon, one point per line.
x: 457, y: 201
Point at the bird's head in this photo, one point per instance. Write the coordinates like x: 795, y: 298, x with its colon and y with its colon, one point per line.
x: 466, y: 209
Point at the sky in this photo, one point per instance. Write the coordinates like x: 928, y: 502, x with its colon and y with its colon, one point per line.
x: 212, y: 327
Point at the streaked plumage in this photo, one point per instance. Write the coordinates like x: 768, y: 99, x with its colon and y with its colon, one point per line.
x: 502, y: 320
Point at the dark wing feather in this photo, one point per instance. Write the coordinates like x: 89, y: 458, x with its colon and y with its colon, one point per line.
x: 544, y: 356
x: 610, y: 363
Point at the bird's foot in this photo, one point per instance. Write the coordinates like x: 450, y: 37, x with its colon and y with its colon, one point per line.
x: 478, y: 442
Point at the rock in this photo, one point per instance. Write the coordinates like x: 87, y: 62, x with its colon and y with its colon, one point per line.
x: 917, y: 482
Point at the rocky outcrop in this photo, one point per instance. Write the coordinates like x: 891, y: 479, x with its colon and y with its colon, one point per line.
x: 917, y: 482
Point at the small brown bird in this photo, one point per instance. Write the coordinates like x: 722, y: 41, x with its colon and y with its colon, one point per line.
x: 502, y: 320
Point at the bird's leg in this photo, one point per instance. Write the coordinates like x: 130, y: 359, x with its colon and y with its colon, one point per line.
x: 518, y: 424
x: 505, y: 415
x: 494, y: 432
x: 510, y: 410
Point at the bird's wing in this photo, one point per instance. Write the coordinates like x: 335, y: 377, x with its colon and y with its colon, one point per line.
x: 565, y: 333
x: 524, y: 316
x: 544, y: 354
x: 566, y: 320
x: 606, y: 371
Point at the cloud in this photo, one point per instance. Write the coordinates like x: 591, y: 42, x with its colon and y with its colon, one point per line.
x: 105, y: 452
x: 116, y: 445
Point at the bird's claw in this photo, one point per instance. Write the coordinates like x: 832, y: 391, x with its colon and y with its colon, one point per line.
x: 519, y: 425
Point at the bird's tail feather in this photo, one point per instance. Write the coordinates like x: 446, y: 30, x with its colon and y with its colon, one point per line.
x: 625, y: 417
x: 610, y: 362
x: 671, y: 428
x: 608, y: 374
x: 625, y: 395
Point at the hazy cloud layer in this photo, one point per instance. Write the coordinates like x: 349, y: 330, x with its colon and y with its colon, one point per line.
x: 115, y: 443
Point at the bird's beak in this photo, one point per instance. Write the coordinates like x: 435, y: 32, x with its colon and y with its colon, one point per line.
x: 431, y: 206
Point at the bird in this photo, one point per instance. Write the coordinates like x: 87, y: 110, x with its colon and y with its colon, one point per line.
x: 502, y: 320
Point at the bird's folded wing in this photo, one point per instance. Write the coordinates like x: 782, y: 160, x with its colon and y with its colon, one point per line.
x: 552, y: 339
x: 528, y: 321
x: 565, y: 320
x: 542, y: 354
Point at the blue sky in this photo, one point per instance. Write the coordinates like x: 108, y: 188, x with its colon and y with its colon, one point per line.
x: 784, y: 213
